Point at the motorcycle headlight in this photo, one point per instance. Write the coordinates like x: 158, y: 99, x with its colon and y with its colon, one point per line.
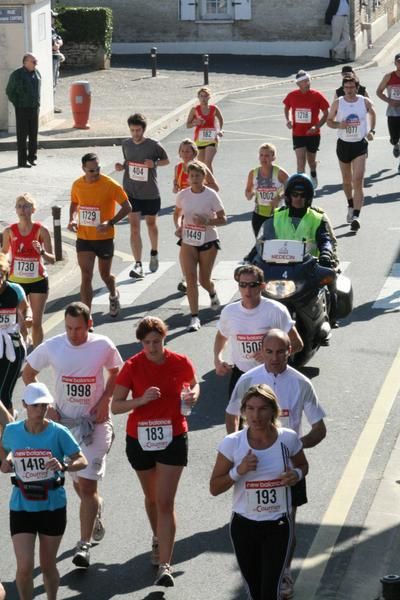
x: 280, y: 288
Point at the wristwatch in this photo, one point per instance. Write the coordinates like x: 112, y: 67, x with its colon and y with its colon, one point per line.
x: 372, y: 131
x: 64, y: 467
x: 42, y: 252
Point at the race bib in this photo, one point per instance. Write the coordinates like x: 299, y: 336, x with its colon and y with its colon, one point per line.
x: 8, y: 317
x: 138, y: 172
x: 208, y: 134
x: 89, y: 216
x: 26, y: 267
x: 395, y: 92
x: 352, y: 131
x: 284, y: 417
x: 78, y: 390
x: 302, y: 115
x: 194, y: 235
x: 248, y: 344
x: 30, y: 465
x: 266, y: 497
x: 266, y: 195
x: 155, y: 434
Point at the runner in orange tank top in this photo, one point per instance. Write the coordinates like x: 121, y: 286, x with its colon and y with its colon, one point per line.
x: 208, y: 122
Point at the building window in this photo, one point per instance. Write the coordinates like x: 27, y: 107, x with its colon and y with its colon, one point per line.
x: 216, y: 9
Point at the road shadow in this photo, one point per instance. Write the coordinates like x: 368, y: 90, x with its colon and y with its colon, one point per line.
x: 375, y: 177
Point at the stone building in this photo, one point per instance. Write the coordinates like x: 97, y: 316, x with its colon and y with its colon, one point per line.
x: 280, y: 27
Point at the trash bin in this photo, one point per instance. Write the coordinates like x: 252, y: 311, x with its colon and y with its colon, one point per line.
x: 391, y: 587
x: 80, y: 97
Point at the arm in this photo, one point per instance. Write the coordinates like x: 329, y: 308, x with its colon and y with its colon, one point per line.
x: 296, y: 342
x: 120, y: 404
x: 286, y: 111
x: 73, y: 209
x: 231, y: 423
x: 323, y: 238
x: 221, y: 367
x: 249, y: 191
x: 6, y: 241
x: 299, y: 461
x: 29, y: 375
x: 221, y: 479
x: 102, y: 409
x: 315, y: 435
x: 192, y: 120
x: 175, y: 187
x: 220, y: 118
x: 372, y: 118
x: 46, y: 250
x: 5, y: 416
x: 219, y: 220
x: 178, y: 221
x: 332, y: 115
x: 381, y: 89
x: 123, y: 211
x: 76, y: 462
x: 210, y: 180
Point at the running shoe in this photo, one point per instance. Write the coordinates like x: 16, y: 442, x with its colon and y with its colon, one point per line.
x: 82, y: 555
x: 182, y: 287
x: 153, y: 264
x: 155, y: 552
x: 99, y: 530
x: 114, y: 305
x: 355, y: 224
x: 349, y: 217
x: 287, y: 590
x: 164, y: 576
x: 194, y: 324
x: 314, y: 181
x: 396, y: 150
x: 137, y: 271
x: 215, y: 302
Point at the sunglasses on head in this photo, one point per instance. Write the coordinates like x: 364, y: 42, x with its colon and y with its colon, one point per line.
x: 298, y: 194
x: 250, y: 284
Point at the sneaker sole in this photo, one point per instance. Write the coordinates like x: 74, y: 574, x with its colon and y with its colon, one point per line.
x: 182, y: 288
x: 355, y: 226
x: 165, y: 581
x: 135, y: 276
x: 99, y: 534
x: 79, y: 561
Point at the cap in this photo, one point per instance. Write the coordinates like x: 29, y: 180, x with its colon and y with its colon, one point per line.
x: 54, y: 13
x: 37, y: 393
x: 397, y: 56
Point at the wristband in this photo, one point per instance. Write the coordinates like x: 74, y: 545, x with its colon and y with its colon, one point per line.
x: 299, y: 472
x: 234, y: 475
x: 372, y: 131
x: 110, y: 223
x: 42, y: 252
x: 64, y: 467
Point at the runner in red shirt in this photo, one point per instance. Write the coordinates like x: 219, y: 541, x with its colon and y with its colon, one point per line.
x: 306, y: 105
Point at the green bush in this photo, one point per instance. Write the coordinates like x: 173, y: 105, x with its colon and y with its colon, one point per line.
x: 91, y: 25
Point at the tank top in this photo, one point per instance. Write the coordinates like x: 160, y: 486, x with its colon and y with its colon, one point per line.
x: 9, y: 300
x: 393, y: 91
x: 181, y: 177
x: 207, y: 133
x: 355, y: 115
x: 267, y: 190
x: 26, y: 264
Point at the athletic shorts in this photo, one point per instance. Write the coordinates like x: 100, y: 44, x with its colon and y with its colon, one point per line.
x: 46, y: 522
x: 299, y: 493
x: 210, y: 145
x: 101, y: 248
x: 310, y: 142
x: 176, y: 454
x: 96, y: 452
x: 37, y: 287
x: 145, y: 207
x: 348, y: 151
x: 214, y: 244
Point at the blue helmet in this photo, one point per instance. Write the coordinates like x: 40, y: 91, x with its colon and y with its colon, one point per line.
x: 302, y: 183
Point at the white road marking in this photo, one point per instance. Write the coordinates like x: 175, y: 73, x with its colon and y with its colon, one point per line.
x: 344, y: 265
x: 264, y: 117
x: 225, y: 285
x: 389, y: 296
x: 129, y: 289
x: 261, y: 135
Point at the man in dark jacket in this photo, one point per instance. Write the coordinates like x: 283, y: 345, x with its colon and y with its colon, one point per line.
x: 23, y: 91
x: 337, y: 15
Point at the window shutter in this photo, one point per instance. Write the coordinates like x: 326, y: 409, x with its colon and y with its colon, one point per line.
x: 242, y: 10
x: 187, y: 10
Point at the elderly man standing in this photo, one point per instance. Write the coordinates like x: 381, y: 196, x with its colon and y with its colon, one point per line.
x: 337, y: 16
x: 23, y: 91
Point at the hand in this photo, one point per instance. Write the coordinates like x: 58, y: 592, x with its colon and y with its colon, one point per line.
x: 53, y: 464
x: 178, y: 232
x: 370, y: 136
x: 325, y: 258
x: 37, y: 246
x: 103, y: 227
x: 175, y: 189
x: 119, y: 167
x: 28, y: 321
x: 6, y: 466
x: 222, y: 368
x: 394, y: 103
x: 289, y: 124
x: 52, y: 414
x: 73, y: 226
x: 312, y: 129
x: 198, y: 121
x: 101, y: 410
x: 249, y: 195
x: 290, y: 477
x: 220, y: 133
x: 249, y: 463
x: 150, y: 164
x: 343, y: 125
x: 200, y: 220
x: 190, y: 398
x: 152, y: 393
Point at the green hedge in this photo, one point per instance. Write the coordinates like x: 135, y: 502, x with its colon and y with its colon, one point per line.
x: 92, y: 25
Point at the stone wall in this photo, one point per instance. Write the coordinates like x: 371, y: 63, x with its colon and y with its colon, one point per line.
x: 85, y: 55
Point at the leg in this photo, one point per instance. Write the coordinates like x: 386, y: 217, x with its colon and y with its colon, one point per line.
x: 293, y: 540
x: 151, y: 222
x: 24, y: 548
x: 247, y: 546
x: 209, y: 153
x: 256, y: 222
x: 167, y: 479
x: 22, y: 134
x: 190, y: 260
x: 206, y: 263
x: 347, y: 179
x: 38, y: 303
x: 394, y: 129
x: 86, y: 265
x: 33, y: 134
x: 312, y: 160
x: 337, y: 32
x: 87, y: 491
x: 136, y: 240
x: 301, y: 159
x: 275, y: 547
x: 48, y: 548
x: 201, y: 155
x: 358, y: 172
x: 147, y: 480
x: 9, y: 372
x: 106, y: 275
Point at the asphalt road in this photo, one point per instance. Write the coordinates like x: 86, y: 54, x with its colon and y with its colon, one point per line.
x: 348, y: 375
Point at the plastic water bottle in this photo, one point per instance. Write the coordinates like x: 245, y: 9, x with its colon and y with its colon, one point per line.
x: 186, y: 408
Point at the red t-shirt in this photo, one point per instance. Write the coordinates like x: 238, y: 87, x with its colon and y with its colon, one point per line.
x: 305, y: 110
x: 140, y: 373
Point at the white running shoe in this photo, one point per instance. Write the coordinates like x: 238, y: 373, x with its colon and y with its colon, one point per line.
x: 82, y: 555
x: 194, y: 324
x: 314, y: 181
x: 355, y: 224
x: 215, y: 302
x: 164, y: 576
x: 137, y: 271
x: 114, y: 305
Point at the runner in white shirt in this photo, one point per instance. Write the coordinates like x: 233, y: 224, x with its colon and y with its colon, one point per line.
x: 262, y: 461
x: 296, y: 396
x: 83, y: 396
x: 244, y: 324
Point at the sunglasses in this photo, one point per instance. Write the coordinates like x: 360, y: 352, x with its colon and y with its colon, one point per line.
x: 250, y: 284
x: 298, y: 194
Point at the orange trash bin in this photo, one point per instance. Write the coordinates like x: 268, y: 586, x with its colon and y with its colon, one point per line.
x: 80, y: 97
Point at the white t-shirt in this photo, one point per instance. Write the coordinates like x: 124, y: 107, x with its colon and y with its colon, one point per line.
x: 78, y: 370
x: 259, y: 495
x: 245, y: 328
x: 294, y: 391
x: 355, y: 115
x: 207, y: 203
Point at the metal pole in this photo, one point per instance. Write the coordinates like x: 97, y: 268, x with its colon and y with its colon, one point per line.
x: 205, y: 66
x: 56, y: 212
x: 153, y: 56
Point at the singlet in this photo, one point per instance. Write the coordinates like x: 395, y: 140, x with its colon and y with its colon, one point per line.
x: 393, y: 91
x: 181, y: 177
x: 355, y: 115
x: 207, y: 133
x: 12, y: 295
x: 26, y: 264
x: 267, y: 190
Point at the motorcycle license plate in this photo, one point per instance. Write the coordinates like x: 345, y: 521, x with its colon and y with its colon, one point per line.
x: 283, y: 251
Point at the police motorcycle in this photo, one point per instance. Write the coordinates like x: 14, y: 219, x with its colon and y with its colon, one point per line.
x: 308, y: 287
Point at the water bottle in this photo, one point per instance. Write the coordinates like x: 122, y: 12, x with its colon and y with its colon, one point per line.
x: 186, y: 408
